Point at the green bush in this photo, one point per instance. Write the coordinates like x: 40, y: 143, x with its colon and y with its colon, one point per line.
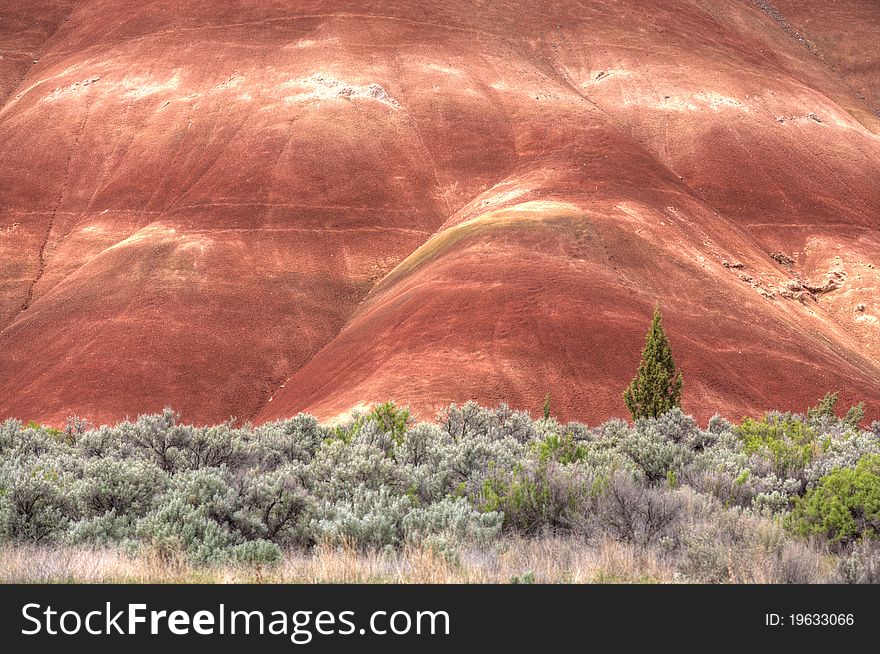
x: 654, y: 454
x: 105, y: 529
x: 537, y: 497
x: 370, y: 518
x: 844, y: 506
x: 288, y: 441
x: 825, y: 408
x: 211, y: 447
x: 788, y: 443
x: 387, y: 417
x: 278, y: 506
x: 227, y: 493
x: 562, y: 449
x: 391, y: 419
x: 196, y: 517
x: 35, y: 502
x: 256, y: 552
x: 824, y: 412
x: 451, y: 520
x: 123, y: 487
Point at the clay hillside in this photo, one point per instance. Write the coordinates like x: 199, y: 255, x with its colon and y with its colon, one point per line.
x: 257, y: 208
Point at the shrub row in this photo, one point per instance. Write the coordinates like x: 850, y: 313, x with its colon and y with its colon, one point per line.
x: 242, y: 493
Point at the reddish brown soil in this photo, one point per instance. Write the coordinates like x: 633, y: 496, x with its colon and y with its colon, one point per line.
x: 258, y: 208
x: 836, y: 32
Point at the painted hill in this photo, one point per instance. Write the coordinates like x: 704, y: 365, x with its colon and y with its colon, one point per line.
x: 258, y: 208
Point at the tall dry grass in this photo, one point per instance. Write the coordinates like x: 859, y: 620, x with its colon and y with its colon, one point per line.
x: 549, y: 559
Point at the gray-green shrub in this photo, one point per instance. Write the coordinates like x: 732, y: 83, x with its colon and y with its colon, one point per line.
x: 243, y: 493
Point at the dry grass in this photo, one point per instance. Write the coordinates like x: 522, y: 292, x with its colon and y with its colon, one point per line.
x: 710, y: 544
x: 542, y: 560
x: 545, y: 560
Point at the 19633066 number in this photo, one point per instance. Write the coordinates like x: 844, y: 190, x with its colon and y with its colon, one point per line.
x: 821, y: 619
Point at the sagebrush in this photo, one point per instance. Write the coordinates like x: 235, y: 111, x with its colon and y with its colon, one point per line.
x: 805, y: 484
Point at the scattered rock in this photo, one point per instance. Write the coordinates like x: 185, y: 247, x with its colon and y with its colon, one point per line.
x: 860, y: 307
x: 833, y: 281
x: 777, y: 16
x: 323, y: 87
x: 801, y: 296
x: 736, y: 264
x: 801, y: 290
x: 758, y: 285
x: 794, y: 290
x: 73, y: 88
x: 782, y: 259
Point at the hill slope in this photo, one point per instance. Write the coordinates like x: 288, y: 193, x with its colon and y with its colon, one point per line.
x: 259, y: 209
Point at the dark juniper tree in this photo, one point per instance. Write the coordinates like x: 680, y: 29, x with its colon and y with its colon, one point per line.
x: 657, y: 385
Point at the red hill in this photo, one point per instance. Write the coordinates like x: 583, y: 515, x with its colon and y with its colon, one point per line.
x: 259, y: 208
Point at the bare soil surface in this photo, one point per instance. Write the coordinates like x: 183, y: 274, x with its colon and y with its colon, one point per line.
x: 260, y: 208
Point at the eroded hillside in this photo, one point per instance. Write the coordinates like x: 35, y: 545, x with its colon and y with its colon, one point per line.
x: 257, y: 208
